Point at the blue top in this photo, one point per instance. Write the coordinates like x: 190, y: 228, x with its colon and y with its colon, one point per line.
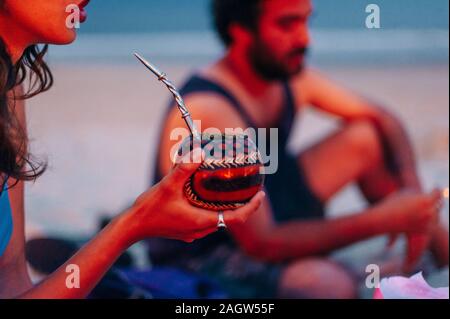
x: 6, y: 225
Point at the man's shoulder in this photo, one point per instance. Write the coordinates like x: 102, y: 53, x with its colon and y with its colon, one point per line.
x: 307, y: 75
x: 211, y: 107
x: 203, y: 88
x: 207, y: 105
x: 309, y: 83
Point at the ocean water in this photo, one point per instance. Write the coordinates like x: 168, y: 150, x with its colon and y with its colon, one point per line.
x: 329, y: 46
x: 412, y: 31
x: 141, y: 16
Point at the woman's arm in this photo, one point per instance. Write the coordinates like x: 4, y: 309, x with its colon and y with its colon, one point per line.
x: 78, y: 276
x: 14, y: 278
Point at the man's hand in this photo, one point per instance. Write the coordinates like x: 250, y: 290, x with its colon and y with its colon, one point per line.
x: 416, y: 215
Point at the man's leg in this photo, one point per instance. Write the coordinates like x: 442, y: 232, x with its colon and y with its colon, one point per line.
x: 316, y: 279
x: 354, y: 154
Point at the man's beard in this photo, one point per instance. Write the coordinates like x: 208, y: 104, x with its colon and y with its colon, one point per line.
x: 270, y: 68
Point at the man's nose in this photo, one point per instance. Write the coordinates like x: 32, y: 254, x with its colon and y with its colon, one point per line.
x: 301, y: 37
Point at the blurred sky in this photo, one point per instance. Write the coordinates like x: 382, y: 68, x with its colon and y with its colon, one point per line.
x: 193, y: 15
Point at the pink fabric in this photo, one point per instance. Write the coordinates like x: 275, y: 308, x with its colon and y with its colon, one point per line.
x: 409, y: 288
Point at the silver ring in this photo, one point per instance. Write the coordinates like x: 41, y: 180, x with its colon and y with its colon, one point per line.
x: 221, y: 221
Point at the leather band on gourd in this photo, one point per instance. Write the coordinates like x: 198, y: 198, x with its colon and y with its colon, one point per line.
x: 246, y: 169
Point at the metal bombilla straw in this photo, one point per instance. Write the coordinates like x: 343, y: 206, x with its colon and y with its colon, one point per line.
x: 180, y: 103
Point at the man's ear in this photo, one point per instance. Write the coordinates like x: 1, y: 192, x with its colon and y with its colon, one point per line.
x: 240, y: 35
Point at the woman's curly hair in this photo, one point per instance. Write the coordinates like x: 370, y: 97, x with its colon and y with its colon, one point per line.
x: 15, y: 160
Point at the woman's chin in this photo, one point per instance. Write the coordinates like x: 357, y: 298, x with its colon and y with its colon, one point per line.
x: 67, y: 38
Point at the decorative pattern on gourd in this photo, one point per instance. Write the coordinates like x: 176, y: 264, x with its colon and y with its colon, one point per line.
x: 230, y: 175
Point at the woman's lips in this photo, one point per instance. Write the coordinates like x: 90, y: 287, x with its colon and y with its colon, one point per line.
x: 84, y: 3
x: 83, y: 13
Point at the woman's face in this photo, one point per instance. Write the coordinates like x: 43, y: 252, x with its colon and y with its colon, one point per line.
x: 45, y: 21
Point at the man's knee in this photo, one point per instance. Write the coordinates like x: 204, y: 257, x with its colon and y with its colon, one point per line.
x: 316, y: 278
x: 365, y: 139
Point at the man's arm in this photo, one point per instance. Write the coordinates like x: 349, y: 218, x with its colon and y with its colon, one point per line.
x: 325, y: 95
x: 262, y: 238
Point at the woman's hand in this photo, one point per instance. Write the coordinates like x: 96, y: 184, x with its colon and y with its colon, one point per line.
x: 163, y: 211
